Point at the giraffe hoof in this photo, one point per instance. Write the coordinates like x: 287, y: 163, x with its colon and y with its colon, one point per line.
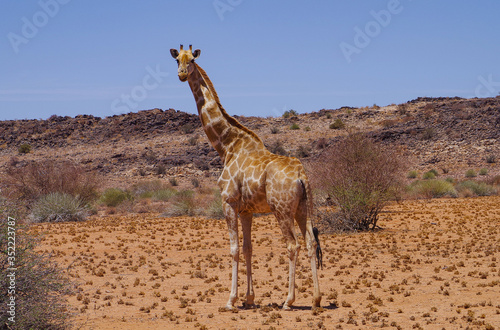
x: 249, y: 305
x: 316, y: 302
x: 230, y: 308
x: 287, y: 308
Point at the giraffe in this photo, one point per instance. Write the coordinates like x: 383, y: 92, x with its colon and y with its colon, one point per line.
x: 253, y: 180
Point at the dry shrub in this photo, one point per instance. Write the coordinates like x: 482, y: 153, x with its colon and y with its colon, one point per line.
x: 41, y: 287
x: 30, y: 182
x: 360, y: 177
x: 184, y: 204
x: 59, y: 207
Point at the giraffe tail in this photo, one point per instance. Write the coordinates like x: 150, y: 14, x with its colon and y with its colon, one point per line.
x: 307, y: 195
x: 319, y: 253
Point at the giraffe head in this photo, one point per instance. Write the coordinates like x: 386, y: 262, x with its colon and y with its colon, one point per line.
x: 184, y: 60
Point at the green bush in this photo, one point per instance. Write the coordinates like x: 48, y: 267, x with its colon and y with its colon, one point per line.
x: 412, y: 175
x: 294, y: 126
x: 477, y: 188
x: 470, y: 174
x: 41, y: 287
x: 483, y: 171
x: 337, y: 124
x: 430, y: 175
x: 433, y: 189
x: 59, y: 207
x: 24, y: 148
x: 290, y: 113
x: 115, y: 196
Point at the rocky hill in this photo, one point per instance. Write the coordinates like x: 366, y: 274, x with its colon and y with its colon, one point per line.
x: 448, y: 134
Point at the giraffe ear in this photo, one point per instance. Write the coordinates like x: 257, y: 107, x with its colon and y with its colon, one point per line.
x: 174, y: 53
x: 196, y: 53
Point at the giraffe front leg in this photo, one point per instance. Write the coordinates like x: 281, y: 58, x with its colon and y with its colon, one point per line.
x: 246, y: 224
x: 232, y: 225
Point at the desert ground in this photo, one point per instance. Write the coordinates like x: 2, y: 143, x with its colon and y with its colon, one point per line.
x: 434, y: 265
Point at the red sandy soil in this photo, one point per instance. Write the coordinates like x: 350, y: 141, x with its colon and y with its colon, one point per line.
x: 435, y: 265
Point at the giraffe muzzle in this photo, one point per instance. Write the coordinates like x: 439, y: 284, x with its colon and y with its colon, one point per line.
x: 183, y: 75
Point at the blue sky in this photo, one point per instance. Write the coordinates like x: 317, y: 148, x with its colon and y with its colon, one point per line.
x: 71, y: 57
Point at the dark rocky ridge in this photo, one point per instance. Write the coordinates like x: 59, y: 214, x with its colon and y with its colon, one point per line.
x: 446, y: 133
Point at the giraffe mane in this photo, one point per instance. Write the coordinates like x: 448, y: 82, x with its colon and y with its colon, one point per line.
x: 231, y: 120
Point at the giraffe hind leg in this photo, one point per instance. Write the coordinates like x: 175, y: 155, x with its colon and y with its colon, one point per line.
x: 313, y: 249
x: 293, y: 247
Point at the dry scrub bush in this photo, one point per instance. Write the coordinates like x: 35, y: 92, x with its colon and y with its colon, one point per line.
x: 59, y: 207
x: 184, y: 204
x: 30, y: 182
x: 360, y: 177
x: 40, y: 286
x: 215, y: 209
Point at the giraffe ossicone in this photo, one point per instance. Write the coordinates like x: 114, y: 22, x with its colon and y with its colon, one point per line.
x: 253, y: 180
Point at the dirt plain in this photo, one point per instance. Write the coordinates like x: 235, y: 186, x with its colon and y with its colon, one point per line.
x: 434, y: 265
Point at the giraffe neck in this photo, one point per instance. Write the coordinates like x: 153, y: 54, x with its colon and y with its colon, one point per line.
x: 222, y: 130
